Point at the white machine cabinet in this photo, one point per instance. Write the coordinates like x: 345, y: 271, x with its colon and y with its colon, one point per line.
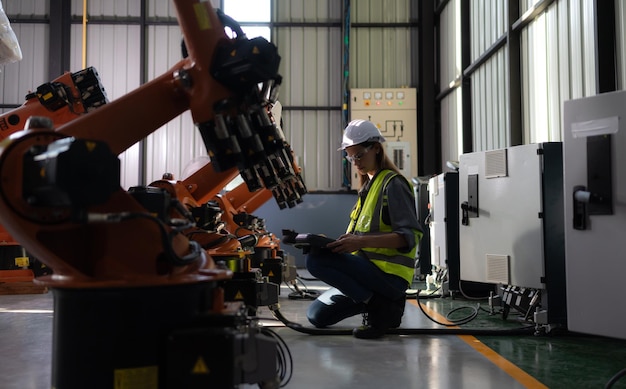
x: 594, y: 164
x: 511, y: 222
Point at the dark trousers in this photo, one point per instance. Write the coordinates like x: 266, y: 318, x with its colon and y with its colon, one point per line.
x: 356, y: 279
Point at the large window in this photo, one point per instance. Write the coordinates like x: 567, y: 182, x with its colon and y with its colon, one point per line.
x: 253, y: 15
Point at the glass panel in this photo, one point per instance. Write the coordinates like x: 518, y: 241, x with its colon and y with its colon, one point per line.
x: 248, y: 10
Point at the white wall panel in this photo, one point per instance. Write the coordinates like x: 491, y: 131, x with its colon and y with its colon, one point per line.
x: 558, y: 62
x: 379, y: 58
x: 450, y: 70
x: 99, y: 8
x: 163, y: 8
x: 490, y: 101
x: 173, y: 146
x: 293, y: 11
x: 380, y: 11
x: 490, y: 87
x: 314, y: 137
x: 488, y: 24
x: 450, y: 67
x: 26, y: 8
x: 160, y: 8
x: 114, y: 50
x: 311, y: 63
x: 451, y: 127
x: 18, y: 78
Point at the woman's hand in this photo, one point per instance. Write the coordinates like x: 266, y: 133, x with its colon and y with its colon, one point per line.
x: 346, y: 243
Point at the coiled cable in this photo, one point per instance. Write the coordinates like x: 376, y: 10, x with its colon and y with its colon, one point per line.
x: 284, y: 369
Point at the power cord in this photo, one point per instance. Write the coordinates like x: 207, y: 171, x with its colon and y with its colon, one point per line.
x: 615, y: 378
x: 467, y: 297
x: 301, y: 294
x: 284, y: 359
x: 529, y: 330
x: 453, y: 322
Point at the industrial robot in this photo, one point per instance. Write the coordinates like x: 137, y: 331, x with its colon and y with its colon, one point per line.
x: 234, y: 238
x: 137, y: 301
x: 60, y: 100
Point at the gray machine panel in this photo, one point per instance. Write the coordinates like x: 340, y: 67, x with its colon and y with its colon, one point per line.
x: 437, y: 222
x: 501, y: 232
x: 595, y: 259
x: 320, y: 213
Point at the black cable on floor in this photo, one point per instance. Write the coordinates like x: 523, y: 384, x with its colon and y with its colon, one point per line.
x: 615, y: 378
x: 403, y: 331
x: 299, y: 294
x: 453, y: 322
x: 284, y: 359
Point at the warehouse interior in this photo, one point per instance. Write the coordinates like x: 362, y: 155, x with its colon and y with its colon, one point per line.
x: 165, y: 167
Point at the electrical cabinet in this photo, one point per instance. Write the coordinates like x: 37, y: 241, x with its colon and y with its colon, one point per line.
x: 594, y: 142
x: 443, y: 224
x: 511, y: 220
x: 443, y: 193
x: 423, y: 265
x: 394, y: 112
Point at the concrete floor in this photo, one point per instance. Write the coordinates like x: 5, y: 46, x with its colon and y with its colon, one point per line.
x: 440, y: 360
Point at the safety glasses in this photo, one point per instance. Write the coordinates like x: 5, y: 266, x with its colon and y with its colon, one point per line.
x: 358, y: 156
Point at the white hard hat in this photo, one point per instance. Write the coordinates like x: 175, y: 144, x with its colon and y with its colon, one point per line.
x: 359, y: 131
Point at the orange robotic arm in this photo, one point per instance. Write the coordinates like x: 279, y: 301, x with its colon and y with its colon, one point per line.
x: 61, y: 195
x: 134, y: 302
x: 61, y: 100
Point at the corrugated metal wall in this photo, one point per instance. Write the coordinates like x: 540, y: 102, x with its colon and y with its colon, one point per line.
x: 558, y: 54
x: 113, y: 47
x: 490, y: 93
x: 490, y: 102
x: 450, y: 71
x: 379, y: 56
x: 557, y: 63
x: 309, y: 39
x: 16, y: 79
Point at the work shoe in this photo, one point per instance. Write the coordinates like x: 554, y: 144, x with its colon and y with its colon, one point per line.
x: 381, y: 315
x: 368, y: 331
x: 396, y: 312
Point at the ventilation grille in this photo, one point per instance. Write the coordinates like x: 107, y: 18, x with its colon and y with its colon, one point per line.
x: 398, y: 158
x: 495, y: 163
x: 498, y: 269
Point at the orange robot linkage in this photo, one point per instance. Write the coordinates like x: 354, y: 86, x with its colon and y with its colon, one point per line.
x: 61, y: 100
x: 137, y: 299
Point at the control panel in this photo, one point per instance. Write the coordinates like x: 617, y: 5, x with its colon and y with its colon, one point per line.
x: 394, y: 112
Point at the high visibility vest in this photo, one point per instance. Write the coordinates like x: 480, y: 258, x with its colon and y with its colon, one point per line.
x: 367, y: 217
